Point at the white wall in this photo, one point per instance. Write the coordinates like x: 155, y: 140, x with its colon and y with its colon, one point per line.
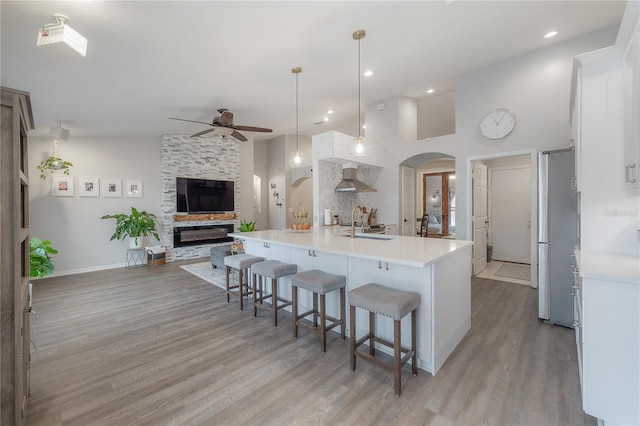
x: 261, y: 169
x: 437, y: 115
x: 277, y: 174
x: 535, y: 86
x: 73, y: 224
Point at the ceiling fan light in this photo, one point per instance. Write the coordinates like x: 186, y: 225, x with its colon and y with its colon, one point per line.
x: 223, y: 131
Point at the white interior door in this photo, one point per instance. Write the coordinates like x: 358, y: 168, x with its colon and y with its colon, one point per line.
x: 480, y: 219
x: 510, y: 230
x: 408, y: 201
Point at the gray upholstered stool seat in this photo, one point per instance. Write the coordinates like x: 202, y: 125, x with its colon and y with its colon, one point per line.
x: 242, y: 263
x: 378, y: 299
x: 320, y: 283
x: 273, y: 269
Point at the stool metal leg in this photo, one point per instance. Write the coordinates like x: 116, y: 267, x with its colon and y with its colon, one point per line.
x: 323, y: 323
x: 372, y: 332
x: 228, y: 269
x: 414, y: 359
x: 315, y: 310
x: 397, y: 355
x: 352, y: 337
x: 240, y: 287
x: 294, y: 309
x: 274, y: 300
x: 343, y: 315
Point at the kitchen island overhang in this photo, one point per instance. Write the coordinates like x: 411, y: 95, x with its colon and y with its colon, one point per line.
x: 439, y: 270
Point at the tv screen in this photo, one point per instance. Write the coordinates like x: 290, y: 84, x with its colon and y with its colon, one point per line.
x: 204, y: 195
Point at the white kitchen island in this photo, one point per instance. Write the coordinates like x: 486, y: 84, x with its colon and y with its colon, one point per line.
x: 439, y: 270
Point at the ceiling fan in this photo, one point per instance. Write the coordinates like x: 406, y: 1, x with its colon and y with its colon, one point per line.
x: 223, y: 125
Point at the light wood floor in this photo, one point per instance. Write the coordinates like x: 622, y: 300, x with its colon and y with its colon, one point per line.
x: 161, y: 346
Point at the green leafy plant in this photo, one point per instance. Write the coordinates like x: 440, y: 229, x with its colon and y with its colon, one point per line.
x: 40, y: 263
x: 247, y: 226
x: 134, y: 225
x: 53, y: 163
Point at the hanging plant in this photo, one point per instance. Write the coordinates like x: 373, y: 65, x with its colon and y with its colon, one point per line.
x: 53, y: 163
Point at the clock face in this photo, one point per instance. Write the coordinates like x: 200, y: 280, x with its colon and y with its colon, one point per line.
x: 497, y: 124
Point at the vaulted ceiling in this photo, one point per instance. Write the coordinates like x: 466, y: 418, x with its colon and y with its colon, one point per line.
x: 150, y: 60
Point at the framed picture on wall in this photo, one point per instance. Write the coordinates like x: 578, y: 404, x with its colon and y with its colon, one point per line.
x: 62, y: 186
x: 112, y: 187
x: 133, y: 188
x: 88, y: 186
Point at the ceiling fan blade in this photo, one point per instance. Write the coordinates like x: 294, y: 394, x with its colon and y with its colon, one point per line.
x: 204, y: 132
x: 190, y: 121
x: 226, y: 118
x: 238, y: 136
x: 252, y: 129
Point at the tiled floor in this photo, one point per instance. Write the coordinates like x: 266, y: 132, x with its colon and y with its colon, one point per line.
x: 491, y: 269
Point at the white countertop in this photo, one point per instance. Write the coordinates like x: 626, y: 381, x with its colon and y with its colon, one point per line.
x: 412, y: 251
x: 609, y: 266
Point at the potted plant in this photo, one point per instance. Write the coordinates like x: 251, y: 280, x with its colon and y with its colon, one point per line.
x: 135, y: 225
x: 247, y: 226
x: 40, y: 263
x: 53, y: 163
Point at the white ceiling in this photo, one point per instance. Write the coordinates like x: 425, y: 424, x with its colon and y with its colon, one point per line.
x: 147, y: 60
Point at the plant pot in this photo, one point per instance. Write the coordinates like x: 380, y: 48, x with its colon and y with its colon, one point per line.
x: 135, y: 242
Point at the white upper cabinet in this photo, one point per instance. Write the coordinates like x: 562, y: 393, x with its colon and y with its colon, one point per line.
x: 336, y: 147
x: 631, y: 70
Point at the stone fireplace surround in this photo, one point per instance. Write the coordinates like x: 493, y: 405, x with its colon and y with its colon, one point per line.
x: 208, y: 157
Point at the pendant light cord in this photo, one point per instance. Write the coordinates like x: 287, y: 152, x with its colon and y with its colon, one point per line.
x: 297, y: 149
x: 359, y: 76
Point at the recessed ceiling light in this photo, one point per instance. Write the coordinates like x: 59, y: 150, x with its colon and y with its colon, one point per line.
x: 430, y: 91
x: 550, y: 34
x: 330, y: 111
x: 364, y: 126
x: 368, y: 73
x: 326, y: 119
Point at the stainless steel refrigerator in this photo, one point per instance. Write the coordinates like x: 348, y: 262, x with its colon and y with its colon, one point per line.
x: 557, y: 235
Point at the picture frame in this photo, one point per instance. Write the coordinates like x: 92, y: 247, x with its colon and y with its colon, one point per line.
x: 133, y: 188
x: 111, y: 188
x: 88, y: 186
x: 62, y: 186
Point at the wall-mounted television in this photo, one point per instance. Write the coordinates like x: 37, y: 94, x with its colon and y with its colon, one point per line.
x: 204, y: 195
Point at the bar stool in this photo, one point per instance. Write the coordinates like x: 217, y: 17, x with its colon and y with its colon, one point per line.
x: 242, y: 263
x: 378, y: 299
x: 320, y: 283
x: 273, y: 269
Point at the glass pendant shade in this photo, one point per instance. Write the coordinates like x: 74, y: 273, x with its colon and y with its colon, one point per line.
x: 297, y: 159
x: 358, y: 147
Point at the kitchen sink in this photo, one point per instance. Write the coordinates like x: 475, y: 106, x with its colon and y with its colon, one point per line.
x: 371, y: 237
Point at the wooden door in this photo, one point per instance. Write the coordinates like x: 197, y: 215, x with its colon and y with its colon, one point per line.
x: 15, y: 308
x: 436, y: 204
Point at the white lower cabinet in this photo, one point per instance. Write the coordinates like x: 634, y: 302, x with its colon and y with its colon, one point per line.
x: 610, y: 334
x: 306, y: 260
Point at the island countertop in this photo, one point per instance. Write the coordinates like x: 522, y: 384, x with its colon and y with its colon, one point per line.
x: 403, y: 250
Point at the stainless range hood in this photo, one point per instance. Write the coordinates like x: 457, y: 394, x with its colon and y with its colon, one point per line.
x: 350, y: 183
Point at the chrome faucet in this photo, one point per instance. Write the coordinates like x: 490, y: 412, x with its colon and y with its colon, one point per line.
x: 353, y: 223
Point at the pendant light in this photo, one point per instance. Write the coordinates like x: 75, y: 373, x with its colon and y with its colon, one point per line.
x: 297, y: 158
x: 358, y: 148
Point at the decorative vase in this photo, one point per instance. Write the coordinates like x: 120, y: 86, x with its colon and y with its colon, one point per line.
x: 135, y: 242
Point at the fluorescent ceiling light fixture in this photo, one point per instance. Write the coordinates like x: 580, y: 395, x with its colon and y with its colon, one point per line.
x: 550, y: 34
x: 368, y: 73
x: 58, y: 132
x: 430, y: 91
x: 60, y: 40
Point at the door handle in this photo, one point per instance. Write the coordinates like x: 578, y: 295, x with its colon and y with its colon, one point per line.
x: 406, y: 220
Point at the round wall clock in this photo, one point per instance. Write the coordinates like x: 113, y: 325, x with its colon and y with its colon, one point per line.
x: 498, y: 123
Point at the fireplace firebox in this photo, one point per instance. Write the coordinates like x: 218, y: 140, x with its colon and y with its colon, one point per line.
x: 199, y: 235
